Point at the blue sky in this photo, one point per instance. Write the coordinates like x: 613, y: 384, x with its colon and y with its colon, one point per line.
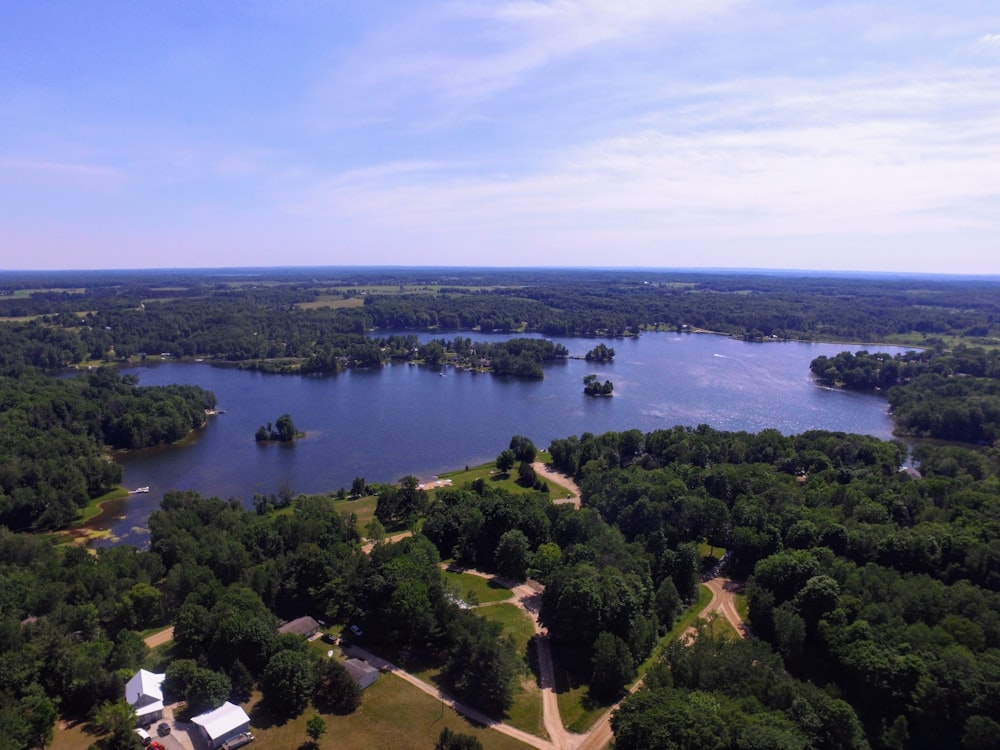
x: 848, y: 135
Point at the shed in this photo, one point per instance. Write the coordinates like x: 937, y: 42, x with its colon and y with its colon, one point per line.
x: 363, y: 673
x: 144, y: 692
x: 304, y: 626
x: 221, y: 724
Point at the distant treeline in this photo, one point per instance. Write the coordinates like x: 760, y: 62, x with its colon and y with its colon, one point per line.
x: 287, y: 321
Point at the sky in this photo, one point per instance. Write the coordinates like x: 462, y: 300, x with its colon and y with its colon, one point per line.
x: 791, y: 134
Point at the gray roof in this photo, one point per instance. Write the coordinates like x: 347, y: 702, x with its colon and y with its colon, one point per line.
x: 302, y: 626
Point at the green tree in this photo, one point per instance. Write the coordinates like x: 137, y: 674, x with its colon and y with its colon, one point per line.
x: 285, y: 429
x: 449, y: 740
x: 315, y: 727
x: 335, y: 688
x: 359, y: 487
x: 288, y: 682
x: 207, y: 690
x: 513, y: 555
x: 505, y: 461
x: 613, y: 666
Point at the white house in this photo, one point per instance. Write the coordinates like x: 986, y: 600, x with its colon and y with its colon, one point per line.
x: 221, y: 724
x: 144, y: 692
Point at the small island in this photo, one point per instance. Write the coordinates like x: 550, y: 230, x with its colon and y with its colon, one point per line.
x: 600, y: 353
x: 282, y: 431
x: 592, y: 387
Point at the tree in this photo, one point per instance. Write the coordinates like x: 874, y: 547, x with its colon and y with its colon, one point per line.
x: 524, y: 449
x: 117, y: 720
x: 40, y: 715
x: 285, y: 428
x: 449, y: 740
x: 315, y: 727
x: 335, y: 688
x: 242, y: 682
x: 207, y: 689
x: 359, y: 487
x: 613, y: 666
x: 513, y: 555
x: 544, y: 561
x: 505, y: 461
x: 288, y: 682
x: 526, y: 476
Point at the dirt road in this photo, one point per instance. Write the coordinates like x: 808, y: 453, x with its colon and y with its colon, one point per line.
x: 723, y: 601
x: 156, y: 639
x: 562, y: 480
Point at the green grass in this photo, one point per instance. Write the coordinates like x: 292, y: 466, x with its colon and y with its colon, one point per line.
x: 506, y: 481
x: 514, y: 621
x: 485, y: 590
x: 93, y: 509
x: 577, y: 708
x: 393, y: 714
x: 525, y: 712
x: 363, y: 508
x: 742, y: 606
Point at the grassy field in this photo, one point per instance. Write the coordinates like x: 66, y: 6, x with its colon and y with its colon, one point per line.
x: 514, y: 621
x: 363, y: 508
x: 484, y: 590
x: 506, y: 481
x: 334, y: 302
x: 393, y: 714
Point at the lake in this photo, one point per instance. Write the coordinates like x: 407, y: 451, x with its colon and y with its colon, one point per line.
x: 405, y: 419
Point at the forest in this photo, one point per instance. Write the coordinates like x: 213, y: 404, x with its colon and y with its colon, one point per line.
x: 55, y: 434
x: 872, y: 587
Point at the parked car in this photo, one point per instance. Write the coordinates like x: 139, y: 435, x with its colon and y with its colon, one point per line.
x: 144, y: 736
x: 163, y: 729
x: 356, y: 630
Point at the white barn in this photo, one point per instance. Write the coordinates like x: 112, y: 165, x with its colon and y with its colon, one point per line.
x: 221, y: 724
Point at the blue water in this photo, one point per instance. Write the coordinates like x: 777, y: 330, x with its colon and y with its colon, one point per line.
x: 405, y: 419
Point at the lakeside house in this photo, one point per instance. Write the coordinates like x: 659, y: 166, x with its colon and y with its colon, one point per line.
x: 144, y: 692
x: 363, y: 673
x: 306, y: 626
x: 226, y: 722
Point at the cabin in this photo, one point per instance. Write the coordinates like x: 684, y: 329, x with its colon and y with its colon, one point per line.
x: 363, y: 673
x: 224, y: 723
x: 144, y: 692
x: 307, y: 627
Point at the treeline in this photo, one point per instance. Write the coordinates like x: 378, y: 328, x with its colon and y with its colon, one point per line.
x: 54, y: 434
x: 945, y: 395
x: 277, y: 321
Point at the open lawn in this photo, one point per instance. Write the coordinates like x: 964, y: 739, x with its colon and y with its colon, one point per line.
x: 393, y: 714
x: 363, y: 508
x: 514, y: 621
x: 484, y: 590
x: 488, y: 473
